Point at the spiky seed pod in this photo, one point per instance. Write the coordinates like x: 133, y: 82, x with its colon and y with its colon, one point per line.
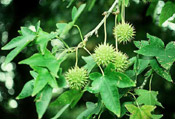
x: 124, y: 32
x: 77, y: 78
x: 121, y: 62
x: 104, y: 54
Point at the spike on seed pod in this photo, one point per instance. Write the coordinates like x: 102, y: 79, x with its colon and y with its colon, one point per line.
x: 124, y: 32
x: 77, y: 78
x: 104, y: 54
x: 121, y: 62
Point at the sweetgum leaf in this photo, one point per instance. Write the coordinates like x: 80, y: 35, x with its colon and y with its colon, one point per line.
x: 47, y: 60
x: 160, y: 71
x: 68, y: 97
x: 107, y: 87
x: 79, y: 11
x: 165, y: 56
x: 167, y: 11
x: 43, y: 78
x: 74, y: 12
x: 141, y: 65
x: 42, y: 100
x: 143, y: 112
x: 157, y: 116
x: 19, y: 43
x: 90, y: 4
x: 27, y: 90
x: 60, y: 112
x: 147, y: 97
x: 43, y: 39
x: 92, y: 108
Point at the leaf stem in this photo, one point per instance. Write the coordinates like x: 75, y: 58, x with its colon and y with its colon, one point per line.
x: 123, y: 11
x: 63, y: 42
x: 134, y: 98
x: 79, y: 31
x: 95, y: 30
x: 76, y: 63
x: 97, y: 64
x: 105, y: 39
x: 150, y: 82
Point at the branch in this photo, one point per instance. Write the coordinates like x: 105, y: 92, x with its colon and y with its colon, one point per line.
x: 95, y: 30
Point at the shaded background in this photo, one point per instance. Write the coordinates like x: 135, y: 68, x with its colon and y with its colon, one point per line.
x: 17, y: 13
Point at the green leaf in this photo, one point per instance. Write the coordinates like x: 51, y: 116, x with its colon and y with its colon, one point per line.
x: 70, y: 3
x: 42, y: 100
x: 123, y: 81
x: 26, y: 31
x: 123, y: 109
x: 160, y: 71
x: 61, y: 80
x: 157, y: 116
x: 43, y: 39
x: 47, y: 60
x: 15, y: 42
x: 74, y: 11
x: 110, y: 96
x: 90, y: 63
x: 27, y: 90
x: 151, y: 11
x: 167, y: 11
x: 140, y: 44
x: 37, y: 26
x: 147, y: 97
x: 91, y: 4
x: 91, y: 109
x: 60, y: 112
x: 14, y: 53
x: 107, y: 86
x: 126, y: 3
x: 42, y: 80
x: 143, y: 112
x: 66, y: 98
x: 61, y: 27
x: 34, y: 74
x: 141, y: 65
x: 156, y: 48
x: 79, y: 11
x: 19, y: 43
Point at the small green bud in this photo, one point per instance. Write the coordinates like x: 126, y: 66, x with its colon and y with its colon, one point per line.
x: 77, y: 78
x: 124, y: 32
x: 104, y: 54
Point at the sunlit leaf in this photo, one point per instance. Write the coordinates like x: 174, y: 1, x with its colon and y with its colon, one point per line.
x: 167, y: 11
x: 147, y: 97
x: 142, y: 112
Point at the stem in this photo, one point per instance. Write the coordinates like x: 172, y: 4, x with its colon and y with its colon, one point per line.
x: 150, y: 82
x: 123, y: 11
x: 116, y: 42
x: 76, y: 63
x: 79, y: 31
x: 134, y: 98
x: 95, y: 30
x: 105, y: 30
x: 63, y: 42
x: 144, y: 83
x: 97, y: 64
